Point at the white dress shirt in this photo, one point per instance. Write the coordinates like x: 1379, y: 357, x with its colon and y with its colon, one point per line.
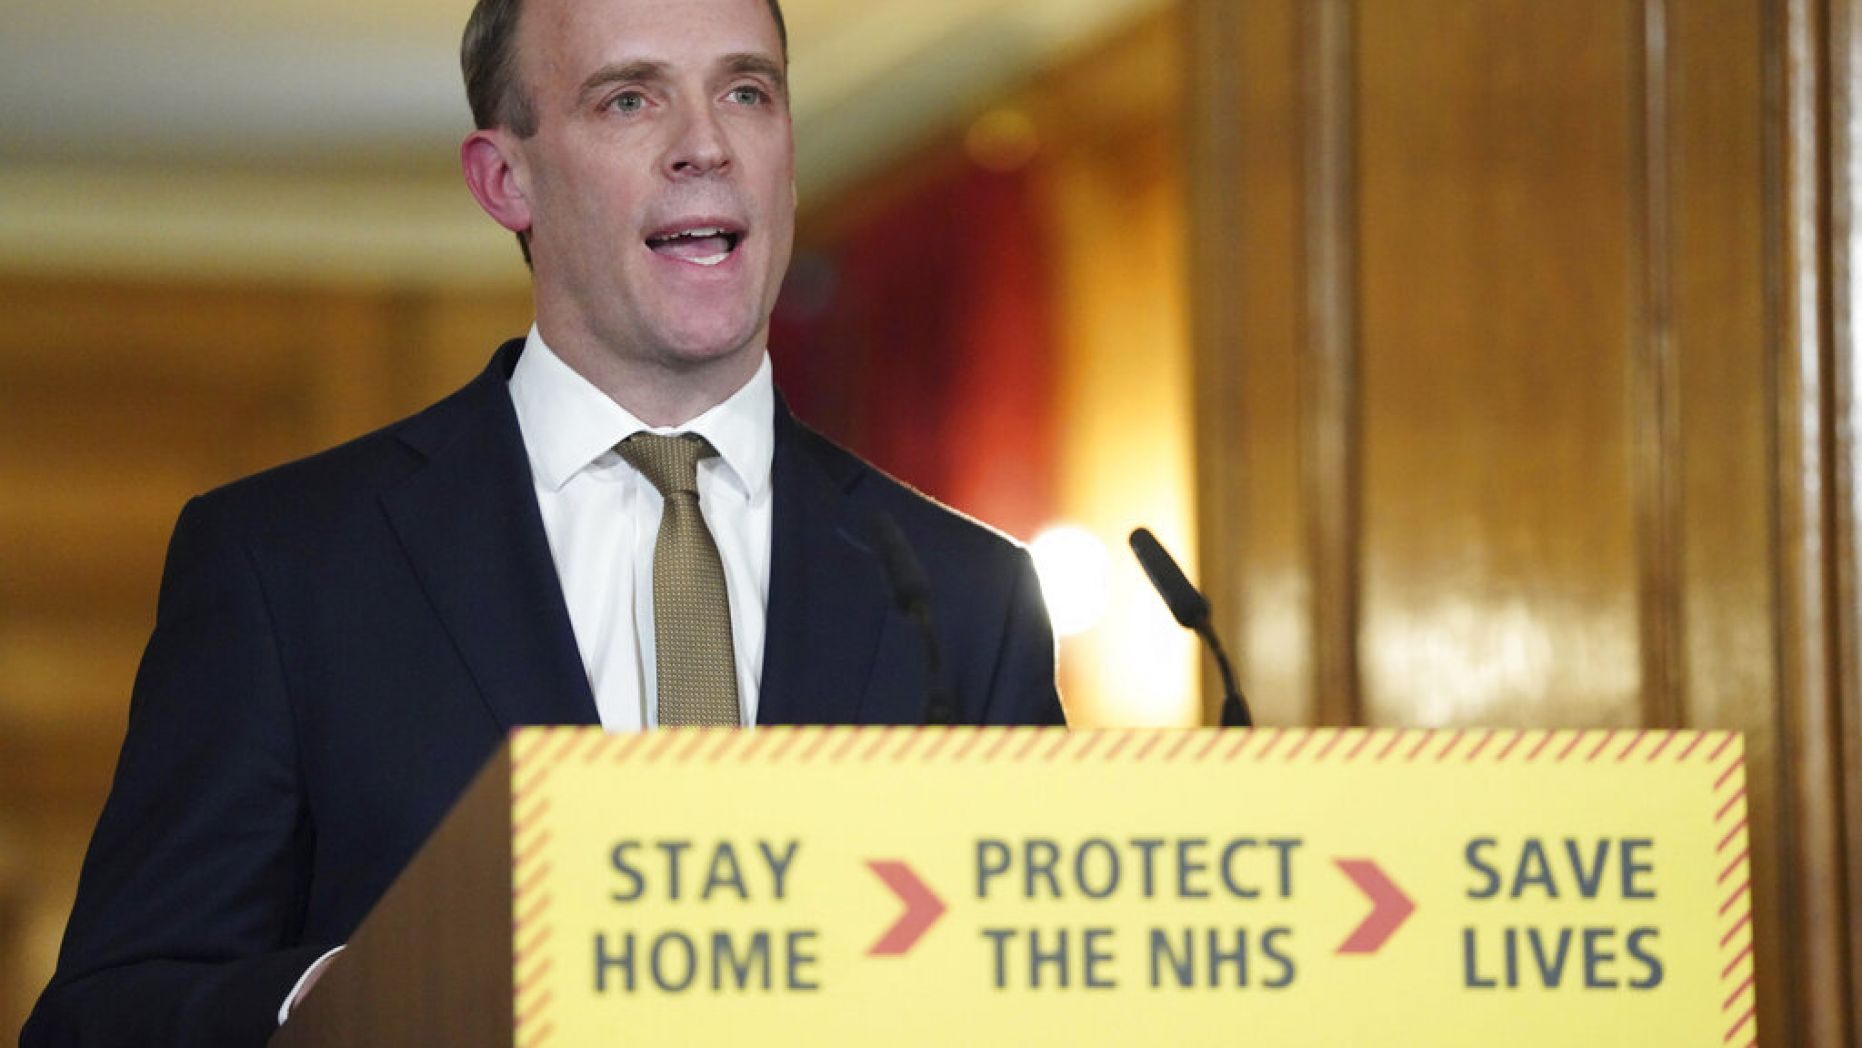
x: 601, y: 516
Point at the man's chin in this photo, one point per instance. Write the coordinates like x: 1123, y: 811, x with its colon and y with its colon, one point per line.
x: 701, y: 350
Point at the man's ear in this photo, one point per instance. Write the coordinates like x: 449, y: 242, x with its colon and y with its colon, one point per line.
x: 489, y: 160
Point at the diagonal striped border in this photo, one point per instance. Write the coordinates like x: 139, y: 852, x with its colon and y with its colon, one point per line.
x: 1733, y: 882
x: 535, y: 754
x: 545, y: 748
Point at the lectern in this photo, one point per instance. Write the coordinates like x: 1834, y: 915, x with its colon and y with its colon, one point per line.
x: 432, y: 962
x: 1016, y: 885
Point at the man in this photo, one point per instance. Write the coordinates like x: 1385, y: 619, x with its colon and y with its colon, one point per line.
x: 341, y: 642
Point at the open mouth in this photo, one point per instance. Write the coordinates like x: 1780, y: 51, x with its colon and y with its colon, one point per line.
x: 701, y: 246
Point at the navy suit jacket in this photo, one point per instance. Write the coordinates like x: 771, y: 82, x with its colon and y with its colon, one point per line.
x: 341, y: 643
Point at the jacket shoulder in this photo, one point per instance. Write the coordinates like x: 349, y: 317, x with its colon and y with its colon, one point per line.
x: 934, y: 528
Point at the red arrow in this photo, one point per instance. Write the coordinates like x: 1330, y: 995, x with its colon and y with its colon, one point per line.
x: 1389, y: 906
x: 922, y: 908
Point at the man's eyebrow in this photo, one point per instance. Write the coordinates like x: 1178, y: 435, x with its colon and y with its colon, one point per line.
x: 620, y: 73
x: 756, y: 64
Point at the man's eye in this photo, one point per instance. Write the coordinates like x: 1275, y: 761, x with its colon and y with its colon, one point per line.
x: 630, y: 102
x: 748, y: 96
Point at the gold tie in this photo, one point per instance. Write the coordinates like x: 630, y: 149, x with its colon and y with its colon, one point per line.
x: 697, y: 671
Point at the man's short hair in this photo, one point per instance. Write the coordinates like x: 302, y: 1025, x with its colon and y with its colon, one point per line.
x: 488, y: 55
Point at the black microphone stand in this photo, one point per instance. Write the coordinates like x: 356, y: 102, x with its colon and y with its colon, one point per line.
x: 911, y: 594
x: 1191, y: 610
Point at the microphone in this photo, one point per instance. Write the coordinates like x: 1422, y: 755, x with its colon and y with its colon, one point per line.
x: 911, y: 594
x: 1191, y: 610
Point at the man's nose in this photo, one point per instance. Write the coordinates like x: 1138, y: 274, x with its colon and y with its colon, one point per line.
x: 699, y: 146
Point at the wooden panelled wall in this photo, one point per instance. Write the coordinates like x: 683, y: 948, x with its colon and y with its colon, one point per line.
x: 1527, y: 393
x: 119, y: 402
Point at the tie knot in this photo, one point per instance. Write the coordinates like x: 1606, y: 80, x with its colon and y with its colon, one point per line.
x: 669, y: 463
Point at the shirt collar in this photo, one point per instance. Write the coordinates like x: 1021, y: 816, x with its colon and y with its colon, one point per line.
x: 569, y: 425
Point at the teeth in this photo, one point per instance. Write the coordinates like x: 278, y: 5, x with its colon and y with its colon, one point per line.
x: 693, y: 233
x: 708, y: 260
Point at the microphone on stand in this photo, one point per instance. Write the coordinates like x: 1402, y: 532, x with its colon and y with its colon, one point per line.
x: 1191, y: 610
x: 911, y: 594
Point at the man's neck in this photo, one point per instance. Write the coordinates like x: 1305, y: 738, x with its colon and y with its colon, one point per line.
x: 660, y: 394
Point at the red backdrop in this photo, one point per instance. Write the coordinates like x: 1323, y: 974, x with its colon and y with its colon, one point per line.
x: 922, y: 336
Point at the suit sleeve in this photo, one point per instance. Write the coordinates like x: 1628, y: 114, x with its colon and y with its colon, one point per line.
x: 192, y: 893
x: 1023, y: 689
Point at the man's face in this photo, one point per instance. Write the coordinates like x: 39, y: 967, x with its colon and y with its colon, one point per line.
x: 661, y: 177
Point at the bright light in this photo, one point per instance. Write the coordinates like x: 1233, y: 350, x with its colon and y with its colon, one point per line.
x: 1076, y: 577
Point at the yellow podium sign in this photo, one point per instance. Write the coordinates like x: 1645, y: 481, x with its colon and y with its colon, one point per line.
x: 1003, y: 886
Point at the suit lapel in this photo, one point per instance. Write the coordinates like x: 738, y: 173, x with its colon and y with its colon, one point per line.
x: 469, y: 523
x: 827, y: 597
